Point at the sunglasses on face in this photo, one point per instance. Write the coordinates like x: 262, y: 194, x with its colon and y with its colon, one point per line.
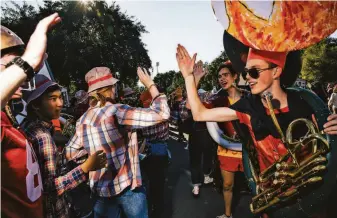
x: 254, y: 72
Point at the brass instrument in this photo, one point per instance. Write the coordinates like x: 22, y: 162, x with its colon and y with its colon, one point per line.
x: 218, y: 134
x: 291, y: 175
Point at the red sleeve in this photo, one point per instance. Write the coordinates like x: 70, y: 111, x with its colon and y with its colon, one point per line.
x: 243, y: 118
x: 2, y: 133
x: 3, y: 124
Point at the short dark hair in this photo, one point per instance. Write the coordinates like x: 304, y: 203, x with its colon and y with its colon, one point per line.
x: 272, y: 65
x: 229, y: 66
x: 37, y: 102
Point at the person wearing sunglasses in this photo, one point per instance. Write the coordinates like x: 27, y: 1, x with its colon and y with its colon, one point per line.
x: 264, y: 72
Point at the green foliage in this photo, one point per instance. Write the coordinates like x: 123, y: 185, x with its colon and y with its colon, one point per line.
x: 320, y: 62
x: 171, y: 80
x: 178, y: 81
x: 211, y: 79
x: 90, y: 35
x: 165, y: 80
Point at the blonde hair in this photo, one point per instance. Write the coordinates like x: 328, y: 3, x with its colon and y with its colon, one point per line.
x: 101, y: 96
x: 335, y: 89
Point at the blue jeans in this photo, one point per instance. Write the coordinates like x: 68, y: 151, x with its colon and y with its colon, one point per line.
x: 130, y: 204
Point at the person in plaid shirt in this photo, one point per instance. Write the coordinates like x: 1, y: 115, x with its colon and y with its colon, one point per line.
x: 108, y: 126
x: 156, y: 162
x: 43, y: 105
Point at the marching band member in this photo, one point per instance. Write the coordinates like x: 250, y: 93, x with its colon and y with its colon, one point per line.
x: 264, y: 70
x: 230, y: 161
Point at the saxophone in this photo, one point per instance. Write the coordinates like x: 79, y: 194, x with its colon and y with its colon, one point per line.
x: 291, y: 176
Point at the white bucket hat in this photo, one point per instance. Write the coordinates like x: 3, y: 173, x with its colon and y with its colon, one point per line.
x: 99, y: 77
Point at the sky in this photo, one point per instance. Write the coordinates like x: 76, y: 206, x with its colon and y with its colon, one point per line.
x: 190, y: 23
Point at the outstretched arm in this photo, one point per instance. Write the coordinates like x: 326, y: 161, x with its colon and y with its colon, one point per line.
x: 12, y: 77
x: 199, y: 111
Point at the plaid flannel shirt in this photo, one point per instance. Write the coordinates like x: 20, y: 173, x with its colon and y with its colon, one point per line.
x: 97, y: 130
x: 158, y: 132
x: 39, y: 133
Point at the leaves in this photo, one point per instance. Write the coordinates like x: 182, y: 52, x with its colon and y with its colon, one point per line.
x: 90, y: 35
x: 211, y: 79
x: 320, y: 62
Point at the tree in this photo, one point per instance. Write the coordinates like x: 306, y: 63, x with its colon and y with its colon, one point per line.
x: 211, y: 79
x: 165, y: 80
x: 320, y: 62
x: 178, y: 81
x: 90, y: 35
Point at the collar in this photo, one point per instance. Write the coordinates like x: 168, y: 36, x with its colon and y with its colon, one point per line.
x: 44, y: 124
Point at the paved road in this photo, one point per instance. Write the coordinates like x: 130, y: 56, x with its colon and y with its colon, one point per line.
x: 179, y: 200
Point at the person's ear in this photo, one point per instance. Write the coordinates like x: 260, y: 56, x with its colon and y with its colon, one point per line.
x: 235, y: 77
x: 277, y: 71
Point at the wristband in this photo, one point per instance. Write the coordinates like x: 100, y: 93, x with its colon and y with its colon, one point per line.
x: 160, y: 94
x: 151, y: 86
x: 27, y: 69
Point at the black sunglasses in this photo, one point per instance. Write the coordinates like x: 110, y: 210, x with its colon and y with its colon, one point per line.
x: 254, y: 72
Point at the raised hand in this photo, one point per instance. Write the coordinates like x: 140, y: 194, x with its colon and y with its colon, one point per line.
x: 199, y: 71
x: 36, y: 47
x: 144, y: 77
x: 185, y: 62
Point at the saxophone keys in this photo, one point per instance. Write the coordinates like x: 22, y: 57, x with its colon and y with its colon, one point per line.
x: 279, y: 181
x: 281, y: 174
x: 285, y: 166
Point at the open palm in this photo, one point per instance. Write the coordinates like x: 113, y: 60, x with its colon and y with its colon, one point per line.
x: 199, y: 71
x: 185, y: 62
x: 36, y: 47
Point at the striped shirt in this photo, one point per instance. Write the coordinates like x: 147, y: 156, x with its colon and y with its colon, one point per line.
x: 110, y: 129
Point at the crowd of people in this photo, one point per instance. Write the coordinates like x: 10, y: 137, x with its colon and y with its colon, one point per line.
x: 119, y: 152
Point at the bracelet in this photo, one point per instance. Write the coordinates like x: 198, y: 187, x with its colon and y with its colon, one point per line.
x: 153, y: 84
x: 160, y: 94
x: 27, y: 69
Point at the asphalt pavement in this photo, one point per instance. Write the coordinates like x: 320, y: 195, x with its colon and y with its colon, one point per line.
x: 179, y: 201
